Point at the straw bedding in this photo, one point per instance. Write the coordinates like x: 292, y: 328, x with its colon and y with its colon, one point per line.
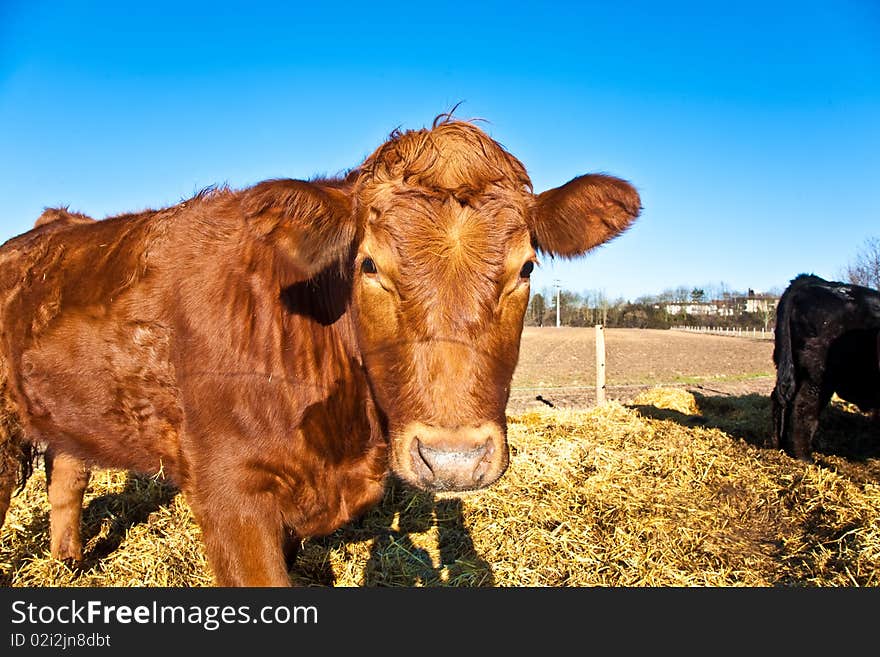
x: 672, y: 489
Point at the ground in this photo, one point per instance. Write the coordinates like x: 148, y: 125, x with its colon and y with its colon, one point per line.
x: 559, y: 365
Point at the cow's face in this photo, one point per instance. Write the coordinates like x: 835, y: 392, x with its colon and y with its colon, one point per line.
x: 444, y: 228
x: 440, y: 290
x: 448, y: 235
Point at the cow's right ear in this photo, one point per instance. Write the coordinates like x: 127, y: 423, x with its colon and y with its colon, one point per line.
x: 310, y: 223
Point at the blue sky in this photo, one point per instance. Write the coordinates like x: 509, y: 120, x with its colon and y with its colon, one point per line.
x: 750, y: 129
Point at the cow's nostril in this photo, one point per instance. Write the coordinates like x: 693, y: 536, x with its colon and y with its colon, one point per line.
x: 421, y: 465
x: 488, y: 449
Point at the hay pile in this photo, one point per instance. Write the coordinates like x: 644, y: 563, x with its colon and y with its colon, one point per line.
x: 673, y: 490
x: 673, y: 399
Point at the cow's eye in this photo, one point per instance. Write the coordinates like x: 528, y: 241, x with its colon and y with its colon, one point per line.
x: 368, y: 266
x: 527, y: 269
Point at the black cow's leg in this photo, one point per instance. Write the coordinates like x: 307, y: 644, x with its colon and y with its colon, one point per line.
x: 804, y: 420
x: 67, y: 478
x: 780, y: 411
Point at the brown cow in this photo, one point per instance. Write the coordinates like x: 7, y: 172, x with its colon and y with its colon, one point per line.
x: 275, y: 351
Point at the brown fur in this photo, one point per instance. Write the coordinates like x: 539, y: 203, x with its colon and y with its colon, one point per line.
x: 62, y: 217
x: 274, y: 351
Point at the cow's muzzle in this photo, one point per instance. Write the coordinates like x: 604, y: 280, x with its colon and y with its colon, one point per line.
x: 451, y: 459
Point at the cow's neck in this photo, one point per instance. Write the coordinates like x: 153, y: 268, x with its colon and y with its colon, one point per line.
x: 264, y: 318
x: 322, y: 304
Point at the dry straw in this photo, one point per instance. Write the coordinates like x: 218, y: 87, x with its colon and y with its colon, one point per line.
x: 671, y: 490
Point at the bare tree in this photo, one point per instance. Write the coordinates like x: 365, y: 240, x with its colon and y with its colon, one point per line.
x: 603, y: 303
x: 865, y: 269
x: 681, y: 294
x: 568, y: 305
x: 768, y: 314
x: 537, y: 309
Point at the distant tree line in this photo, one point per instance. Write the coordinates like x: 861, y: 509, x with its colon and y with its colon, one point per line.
x: 865, y: 267
x: 720, y: 305
x: 660, y: 311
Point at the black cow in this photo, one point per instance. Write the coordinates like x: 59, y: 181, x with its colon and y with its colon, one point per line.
x: 827, y: 341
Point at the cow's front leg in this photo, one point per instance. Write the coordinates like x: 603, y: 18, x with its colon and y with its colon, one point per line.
x: 806, y: 408
x: 780, y: 411
x: 67, y: 478
x: 243, y: 535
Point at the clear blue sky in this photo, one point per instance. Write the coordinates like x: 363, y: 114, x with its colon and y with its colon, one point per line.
x: 751, y: 129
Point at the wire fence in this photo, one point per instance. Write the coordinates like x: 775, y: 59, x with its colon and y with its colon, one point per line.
x: 730, y: 331
x: 522, y: 397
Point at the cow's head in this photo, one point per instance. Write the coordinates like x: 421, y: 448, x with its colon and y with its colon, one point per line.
x: 442, y: 231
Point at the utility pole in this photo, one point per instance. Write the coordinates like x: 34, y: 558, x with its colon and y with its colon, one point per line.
x: 556, y: 282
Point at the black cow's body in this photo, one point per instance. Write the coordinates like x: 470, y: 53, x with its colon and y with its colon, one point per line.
x: 827, y: 341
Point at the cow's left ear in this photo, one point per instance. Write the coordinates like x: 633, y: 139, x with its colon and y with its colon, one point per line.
x: 310, y: 223
x: 583, y: 213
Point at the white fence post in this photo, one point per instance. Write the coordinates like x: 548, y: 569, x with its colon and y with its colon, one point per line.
x: 600, y: 364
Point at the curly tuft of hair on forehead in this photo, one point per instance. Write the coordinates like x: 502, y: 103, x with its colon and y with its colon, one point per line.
x: 453, y: 156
